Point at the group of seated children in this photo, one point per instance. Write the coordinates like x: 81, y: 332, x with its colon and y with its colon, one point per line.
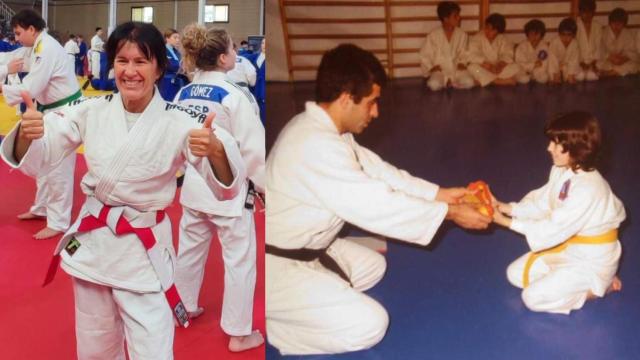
x: 583, y: 50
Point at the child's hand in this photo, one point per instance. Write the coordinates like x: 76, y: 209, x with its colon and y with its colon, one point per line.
x: 500, y: 219
x: 500, y: 206
x: 504, y: 208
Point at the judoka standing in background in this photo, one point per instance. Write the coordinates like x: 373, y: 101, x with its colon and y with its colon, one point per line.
x: 97, y: 47
x: 52, y: 82
x: 210, y: 53
x: 318, y: 178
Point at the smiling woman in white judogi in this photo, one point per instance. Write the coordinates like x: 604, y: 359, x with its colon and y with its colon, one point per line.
x: 119, y: 251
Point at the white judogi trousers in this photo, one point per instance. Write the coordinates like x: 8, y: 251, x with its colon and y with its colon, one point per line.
x: 539, y: 75
x: 101, y: 312
x: 95, y: 64
x: 485, y: 77
x: 238, y: 241
x: 460, y: 79
x: 54, y: 194
x: 556, y: 283
x: 311, y: 310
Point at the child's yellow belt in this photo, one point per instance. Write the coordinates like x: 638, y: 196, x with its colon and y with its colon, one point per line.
x: 608, y: 237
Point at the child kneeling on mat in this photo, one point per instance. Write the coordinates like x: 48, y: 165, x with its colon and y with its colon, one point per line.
x: 570, y: 223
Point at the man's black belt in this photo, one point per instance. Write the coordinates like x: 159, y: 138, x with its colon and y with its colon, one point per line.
x: 309, y: 255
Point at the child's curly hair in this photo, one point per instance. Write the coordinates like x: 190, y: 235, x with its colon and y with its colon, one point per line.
x: 579, y: 134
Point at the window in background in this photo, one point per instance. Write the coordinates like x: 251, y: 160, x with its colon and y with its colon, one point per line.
x: 216, y: 13
x: 143, y: 14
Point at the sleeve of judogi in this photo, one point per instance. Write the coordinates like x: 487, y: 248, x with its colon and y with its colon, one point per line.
x: 62, y: 136
x: 427, y: 54
x: 505, y: 50
x: 203, y: 167
x: 335, y: 177
x: 36, y: 80
x: 552, y: 61
x: 573, y: 58
x: 596, y: 29
x: 476, y: 55
x: 249, y: 132
x: 564, y: 222
x: 535, y: 205
x: 251, y: 73
x: 522, y: 59
x: 629, y: 48
x: 398, y: 180
x: 461, y: 54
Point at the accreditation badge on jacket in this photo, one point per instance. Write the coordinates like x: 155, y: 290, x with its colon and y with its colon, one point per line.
x: 564, y: 191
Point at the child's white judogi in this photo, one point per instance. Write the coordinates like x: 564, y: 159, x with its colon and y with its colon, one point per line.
x: 448, y: 54
x: 589, y: 46
x: 482, y: 50
x: 569, y: 204
x: 622, y: 44
x: 526, y: 58
x: 567, y: 59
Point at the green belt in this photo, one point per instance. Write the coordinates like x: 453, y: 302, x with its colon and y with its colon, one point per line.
x: 59, y: 103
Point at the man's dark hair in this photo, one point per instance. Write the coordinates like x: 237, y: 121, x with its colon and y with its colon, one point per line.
x: 446, y: 8
x: 587, y: 6
x: 535, y: 26
x: 619, y: 15
x: 568, y: 25
x: 26, y: 18
x: 579, y: 134
x: 348, y: 68
x: 497, y: 21
x: 71, y: 36
x: 244, y: 42
x: 98, y: 28
x: 147, y: 37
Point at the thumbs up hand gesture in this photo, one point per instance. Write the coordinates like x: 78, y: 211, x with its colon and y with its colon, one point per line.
x: 203, y: 142
x: 32, y: 124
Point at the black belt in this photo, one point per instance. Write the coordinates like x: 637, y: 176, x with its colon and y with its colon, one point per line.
x: 309, y: 255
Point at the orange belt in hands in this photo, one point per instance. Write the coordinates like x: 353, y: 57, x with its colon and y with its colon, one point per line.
x: 608, y: 237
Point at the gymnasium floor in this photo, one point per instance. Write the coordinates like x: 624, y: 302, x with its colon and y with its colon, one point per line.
x: 38, y: 323
x: 451, y: 300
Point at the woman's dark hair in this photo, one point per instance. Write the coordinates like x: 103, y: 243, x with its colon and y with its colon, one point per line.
x: 446, y: 8
x: 497, y: 21
x: 579, y: 134
x: 26, y: 18
x: 568, y: 25
x: 618, y: 15
x: 146, y: 36
x: 348, y: 68
x: 535, y: 26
